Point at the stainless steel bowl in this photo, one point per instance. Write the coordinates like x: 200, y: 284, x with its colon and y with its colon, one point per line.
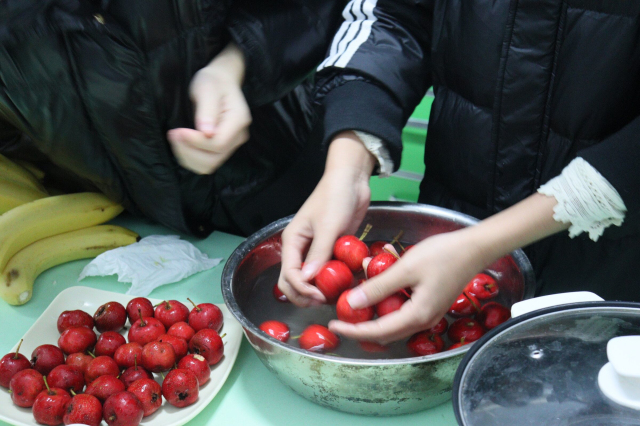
x: 377, y: 387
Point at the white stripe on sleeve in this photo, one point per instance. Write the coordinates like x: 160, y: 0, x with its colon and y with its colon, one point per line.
x: 353, y: 32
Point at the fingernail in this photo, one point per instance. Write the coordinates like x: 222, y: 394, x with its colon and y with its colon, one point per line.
x: 309, y: 269
x: 357, y: 299
x: 206, y: 127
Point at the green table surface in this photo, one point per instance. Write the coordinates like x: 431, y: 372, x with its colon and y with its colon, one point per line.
x: 251, y: 394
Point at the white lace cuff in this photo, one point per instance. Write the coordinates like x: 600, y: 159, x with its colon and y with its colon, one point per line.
x: 585, y: 199
x: 376, y: 146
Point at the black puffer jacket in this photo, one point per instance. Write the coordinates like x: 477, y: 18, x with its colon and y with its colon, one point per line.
x: 95, y: 85
x: 522, y: 87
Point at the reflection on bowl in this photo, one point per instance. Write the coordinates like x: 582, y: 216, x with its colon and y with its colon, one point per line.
x: 357, y: 385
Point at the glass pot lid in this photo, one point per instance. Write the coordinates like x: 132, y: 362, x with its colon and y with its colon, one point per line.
x: 542, y: 369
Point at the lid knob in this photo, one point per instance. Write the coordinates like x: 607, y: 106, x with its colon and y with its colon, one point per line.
x: 619, y: 379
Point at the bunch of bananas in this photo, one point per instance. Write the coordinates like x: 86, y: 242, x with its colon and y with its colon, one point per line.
x: 38, y: 231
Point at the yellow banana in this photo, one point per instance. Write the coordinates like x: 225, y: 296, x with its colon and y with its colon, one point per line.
x: 16, y: 283
x: 49, y: 216
x: 31, y: 168
x: 14, y: 194
x: 11, y: 171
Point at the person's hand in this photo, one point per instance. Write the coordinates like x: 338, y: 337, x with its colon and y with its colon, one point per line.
x: 437, y: 269
x: 337, y: 206
x: 222, y: 116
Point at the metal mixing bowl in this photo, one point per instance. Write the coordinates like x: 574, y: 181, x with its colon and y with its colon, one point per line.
x: 363, y: 386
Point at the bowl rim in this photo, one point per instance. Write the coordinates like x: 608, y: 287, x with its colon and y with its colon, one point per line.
x: 253, y: 240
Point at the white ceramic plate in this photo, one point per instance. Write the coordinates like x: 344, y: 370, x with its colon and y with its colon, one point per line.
x: 45, y: 330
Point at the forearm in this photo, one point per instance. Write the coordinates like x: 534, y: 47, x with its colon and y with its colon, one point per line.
x: 518, y: 226
x: 348, y: 155
x: 230, y: 62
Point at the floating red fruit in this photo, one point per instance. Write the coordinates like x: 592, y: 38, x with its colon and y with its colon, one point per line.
x: 377, y: 248
x: 346, y: 313
x: 390, y: 304
x: 425, y: 343
x: 441, y: 327
x: 463, y: 342
x: 380, y: 263
x: 276, y: 329
x: 333, y: 278
x: 280, y: 296
x: 373, y: 347
x: 493, y: 314
x: 482, y: 286
x: 318, y: 338
x: 465, y: 328
x: 350, y: 250
x: 465, y: 305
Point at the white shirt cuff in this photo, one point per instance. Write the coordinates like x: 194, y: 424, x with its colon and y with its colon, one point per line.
x: 585, y: 199
x: 377, y: 147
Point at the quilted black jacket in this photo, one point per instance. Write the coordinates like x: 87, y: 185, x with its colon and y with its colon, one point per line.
x: 95, y: 85
x: 521, y: 88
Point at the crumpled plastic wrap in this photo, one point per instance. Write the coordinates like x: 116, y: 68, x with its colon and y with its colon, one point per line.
x: 153, y: 261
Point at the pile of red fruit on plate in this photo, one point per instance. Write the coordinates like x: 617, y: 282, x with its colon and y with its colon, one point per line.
x: 471, y: 315
x: 89, y: 377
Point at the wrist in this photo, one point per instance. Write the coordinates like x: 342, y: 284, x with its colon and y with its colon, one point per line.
x: 228, y: 65
x: 348, y: 155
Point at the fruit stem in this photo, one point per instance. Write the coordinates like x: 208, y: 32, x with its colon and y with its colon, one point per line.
x: 142, y: 323
x: 72, y: 392
x: 194, y: 305
x: 476, y: 307
x: 18, y: 349
x: 396, y: 239
x: 296, y: 337
x: 391, y: 250
x: 366, y: 231
x: 135, y: 362
x: 47, y: 385
x: 222, y: 337
x: 91, y: 353
x: 167, y: 305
